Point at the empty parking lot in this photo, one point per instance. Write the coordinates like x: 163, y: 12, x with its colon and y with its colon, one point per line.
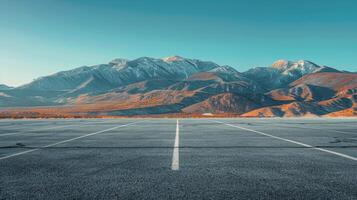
x: 178, y: 159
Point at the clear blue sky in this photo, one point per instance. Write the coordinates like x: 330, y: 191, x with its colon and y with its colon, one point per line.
x: 40, y: 37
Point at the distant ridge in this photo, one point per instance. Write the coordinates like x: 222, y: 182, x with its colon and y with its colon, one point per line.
x: 183, y: 86
x: 5, y: 87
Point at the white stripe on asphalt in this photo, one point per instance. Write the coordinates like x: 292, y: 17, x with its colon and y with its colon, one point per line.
x: 65, y: 141
x: 291, y: 141
x: 50, y: 128
x: 175, y: 156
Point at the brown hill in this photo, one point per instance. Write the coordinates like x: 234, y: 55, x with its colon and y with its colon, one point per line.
x: 334, y: 81
x: 320, y: 94
x: 186, y: 87
x: 225, y: 103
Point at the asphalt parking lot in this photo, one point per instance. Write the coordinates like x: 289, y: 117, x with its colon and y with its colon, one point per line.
x: 178, y: 159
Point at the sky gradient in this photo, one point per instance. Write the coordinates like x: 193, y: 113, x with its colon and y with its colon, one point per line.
x: 41, y: 37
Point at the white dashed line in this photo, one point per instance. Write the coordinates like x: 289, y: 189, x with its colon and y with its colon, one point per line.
x: 176, y: 156
x: 291, y: 141
x: 65, y: 141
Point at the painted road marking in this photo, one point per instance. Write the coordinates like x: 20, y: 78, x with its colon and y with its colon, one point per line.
x: 50, y: 128
x: 65, y: 141
x: 291, y: 141
x: 176, y: 156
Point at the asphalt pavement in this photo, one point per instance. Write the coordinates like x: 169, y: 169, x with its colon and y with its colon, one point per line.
x: 178, y: 159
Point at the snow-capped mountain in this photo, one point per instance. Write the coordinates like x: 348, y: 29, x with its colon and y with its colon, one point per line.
x: 283, y: 72
x: 120, y: 72
x: 180, y: 85
x: 289, y: 68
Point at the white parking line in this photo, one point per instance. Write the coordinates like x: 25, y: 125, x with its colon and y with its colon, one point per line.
x: 50, y: 128
x: 291, y: 141
x: 65, y: 141
x: 175, y: 156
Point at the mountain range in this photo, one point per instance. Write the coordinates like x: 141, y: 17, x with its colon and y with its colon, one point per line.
x: 181, y: 86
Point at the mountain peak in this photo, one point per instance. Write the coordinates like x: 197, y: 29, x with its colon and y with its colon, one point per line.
x: 119, y: 61
x: 304, y: 65
x: 176, y: 85
x: 280, y: 63
x: 305, y: 62
x: 172, y: 58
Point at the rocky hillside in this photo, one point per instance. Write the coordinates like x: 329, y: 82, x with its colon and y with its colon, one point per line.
x: 146, y: 86
x: 317, y: 94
